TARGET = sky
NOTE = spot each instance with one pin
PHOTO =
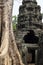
(17, 3)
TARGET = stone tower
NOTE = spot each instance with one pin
(29, 15)
(29, 29)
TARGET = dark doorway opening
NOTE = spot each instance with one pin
(30, 37)
(32, 56)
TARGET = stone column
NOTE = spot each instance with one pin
(36, 56)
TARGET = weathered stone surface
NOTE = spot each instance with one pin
(29, 11)
(29, 29)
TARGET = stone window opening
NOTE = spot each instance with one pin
(30, 37)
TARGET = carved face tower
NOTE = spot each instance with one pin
(29, 26)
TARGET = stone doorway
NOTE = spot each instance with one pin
(31, 56)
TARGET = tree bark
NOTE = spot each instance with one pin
(8, 50)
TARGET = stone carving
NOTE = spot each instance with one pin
(29, 30)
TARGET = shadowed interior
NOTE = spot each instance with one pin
(32, 55)
(30, 37)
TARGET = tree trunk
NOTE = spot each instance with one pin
(9, 54)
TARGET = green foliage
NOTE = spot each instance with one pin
(14, 20)
(14, 26)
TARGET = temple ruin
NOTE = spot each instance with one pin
(29, 32)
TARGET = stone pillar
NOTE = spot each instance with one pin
(36, 51)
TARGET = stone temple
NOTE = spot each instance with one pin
(29, 35)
